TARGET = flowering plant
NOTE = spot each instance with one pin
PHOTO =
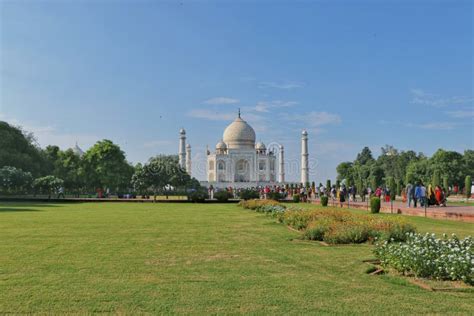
(430, 257)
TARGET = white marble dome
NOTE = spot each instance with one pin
(239, 135)
(260, 146)
(221, 145)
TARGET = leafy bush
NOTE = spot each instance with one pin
(198, 196)
(275, 196)
(375, 205)
(255, 204)
(342, 227)
(48, 184)
(296, 198)
(324, 200)
(270, 207)
(429, 257)
(222, 196)
(249, 194)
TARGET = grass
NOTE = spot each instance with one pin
(192, 258)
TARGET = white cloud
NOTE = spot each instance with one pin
(461, 114)
(425, 98)
(287, 85)
(316, 119)
(221, 100)
(265, 106)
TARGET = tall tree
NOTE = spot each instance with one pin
(105, 167)
(365, 156)
(19, 150)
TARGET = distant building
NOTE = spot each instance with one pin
(240, 161)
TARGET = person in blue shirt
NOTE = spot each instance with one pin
(418, 194)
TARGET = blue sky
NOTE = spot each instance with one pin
(353, 73)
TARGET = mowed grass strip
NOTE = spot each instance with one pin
(192, 258)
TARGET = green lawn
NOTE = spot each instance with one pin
(184, 258)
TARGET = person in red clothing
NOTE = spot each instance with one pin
(439, 195)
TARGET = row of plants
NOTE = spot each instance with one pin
(333, 226)
(343, 227)
(429, 257)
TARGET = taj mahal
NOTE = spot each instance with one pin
(240, 162)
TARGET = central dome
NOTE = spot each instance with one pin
(239, 135)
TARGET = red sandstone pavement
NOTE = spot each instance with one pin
(451, 212)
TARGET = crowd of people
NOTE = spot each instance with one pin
(414, 195)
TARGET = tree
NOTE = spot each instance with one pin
(446, 185)
(328, 186)
(48, 185)
(376, 174)
(13, 180)
(468, 161)
(344, 171)
(449, 163)
(436, 179)
(467, 186)
(105, 167)
(393, 188)
(69, 168)
(365, 156)
(19, 150)
(160, 174)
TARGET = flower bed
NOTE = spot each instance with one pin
(343, 227)
(264, 206)
(429, 257)
(333, 226)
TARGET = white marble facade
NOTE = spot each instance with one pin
(239, 160)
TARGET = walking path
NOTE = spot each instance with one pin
(452, 212)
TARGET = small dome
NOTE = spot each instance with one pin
(260, 146)
(221, 145)
(304, 133)
(239, 134)
(182, 131)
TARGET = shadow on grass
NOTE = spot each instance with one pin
(10, 209)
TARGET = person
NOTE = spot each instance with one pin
(410, 192)
(404, 196)
(61, 192)
(378, 192)
(439, 195)
(387, 194)
(417, 196)
(422, 195)
(364, 193)
(342, 195)
(211, 192)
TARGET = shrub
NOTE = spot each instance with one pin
(222, 196)
(343, 227)
(296, 198)
(375, 205)
(249, 194)
(467, 185)
(198, 196)
(317, 230)
(429, 257)
(324, 200)
(275, 196)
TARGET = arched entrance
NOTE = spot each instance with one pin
(242, 171)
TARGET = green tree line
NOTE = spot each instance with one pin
(395, 168)
(26, 167)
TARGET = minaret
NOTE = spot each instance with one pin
(182, 148)
(188, 159)
(304, 158)
(282, 165)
